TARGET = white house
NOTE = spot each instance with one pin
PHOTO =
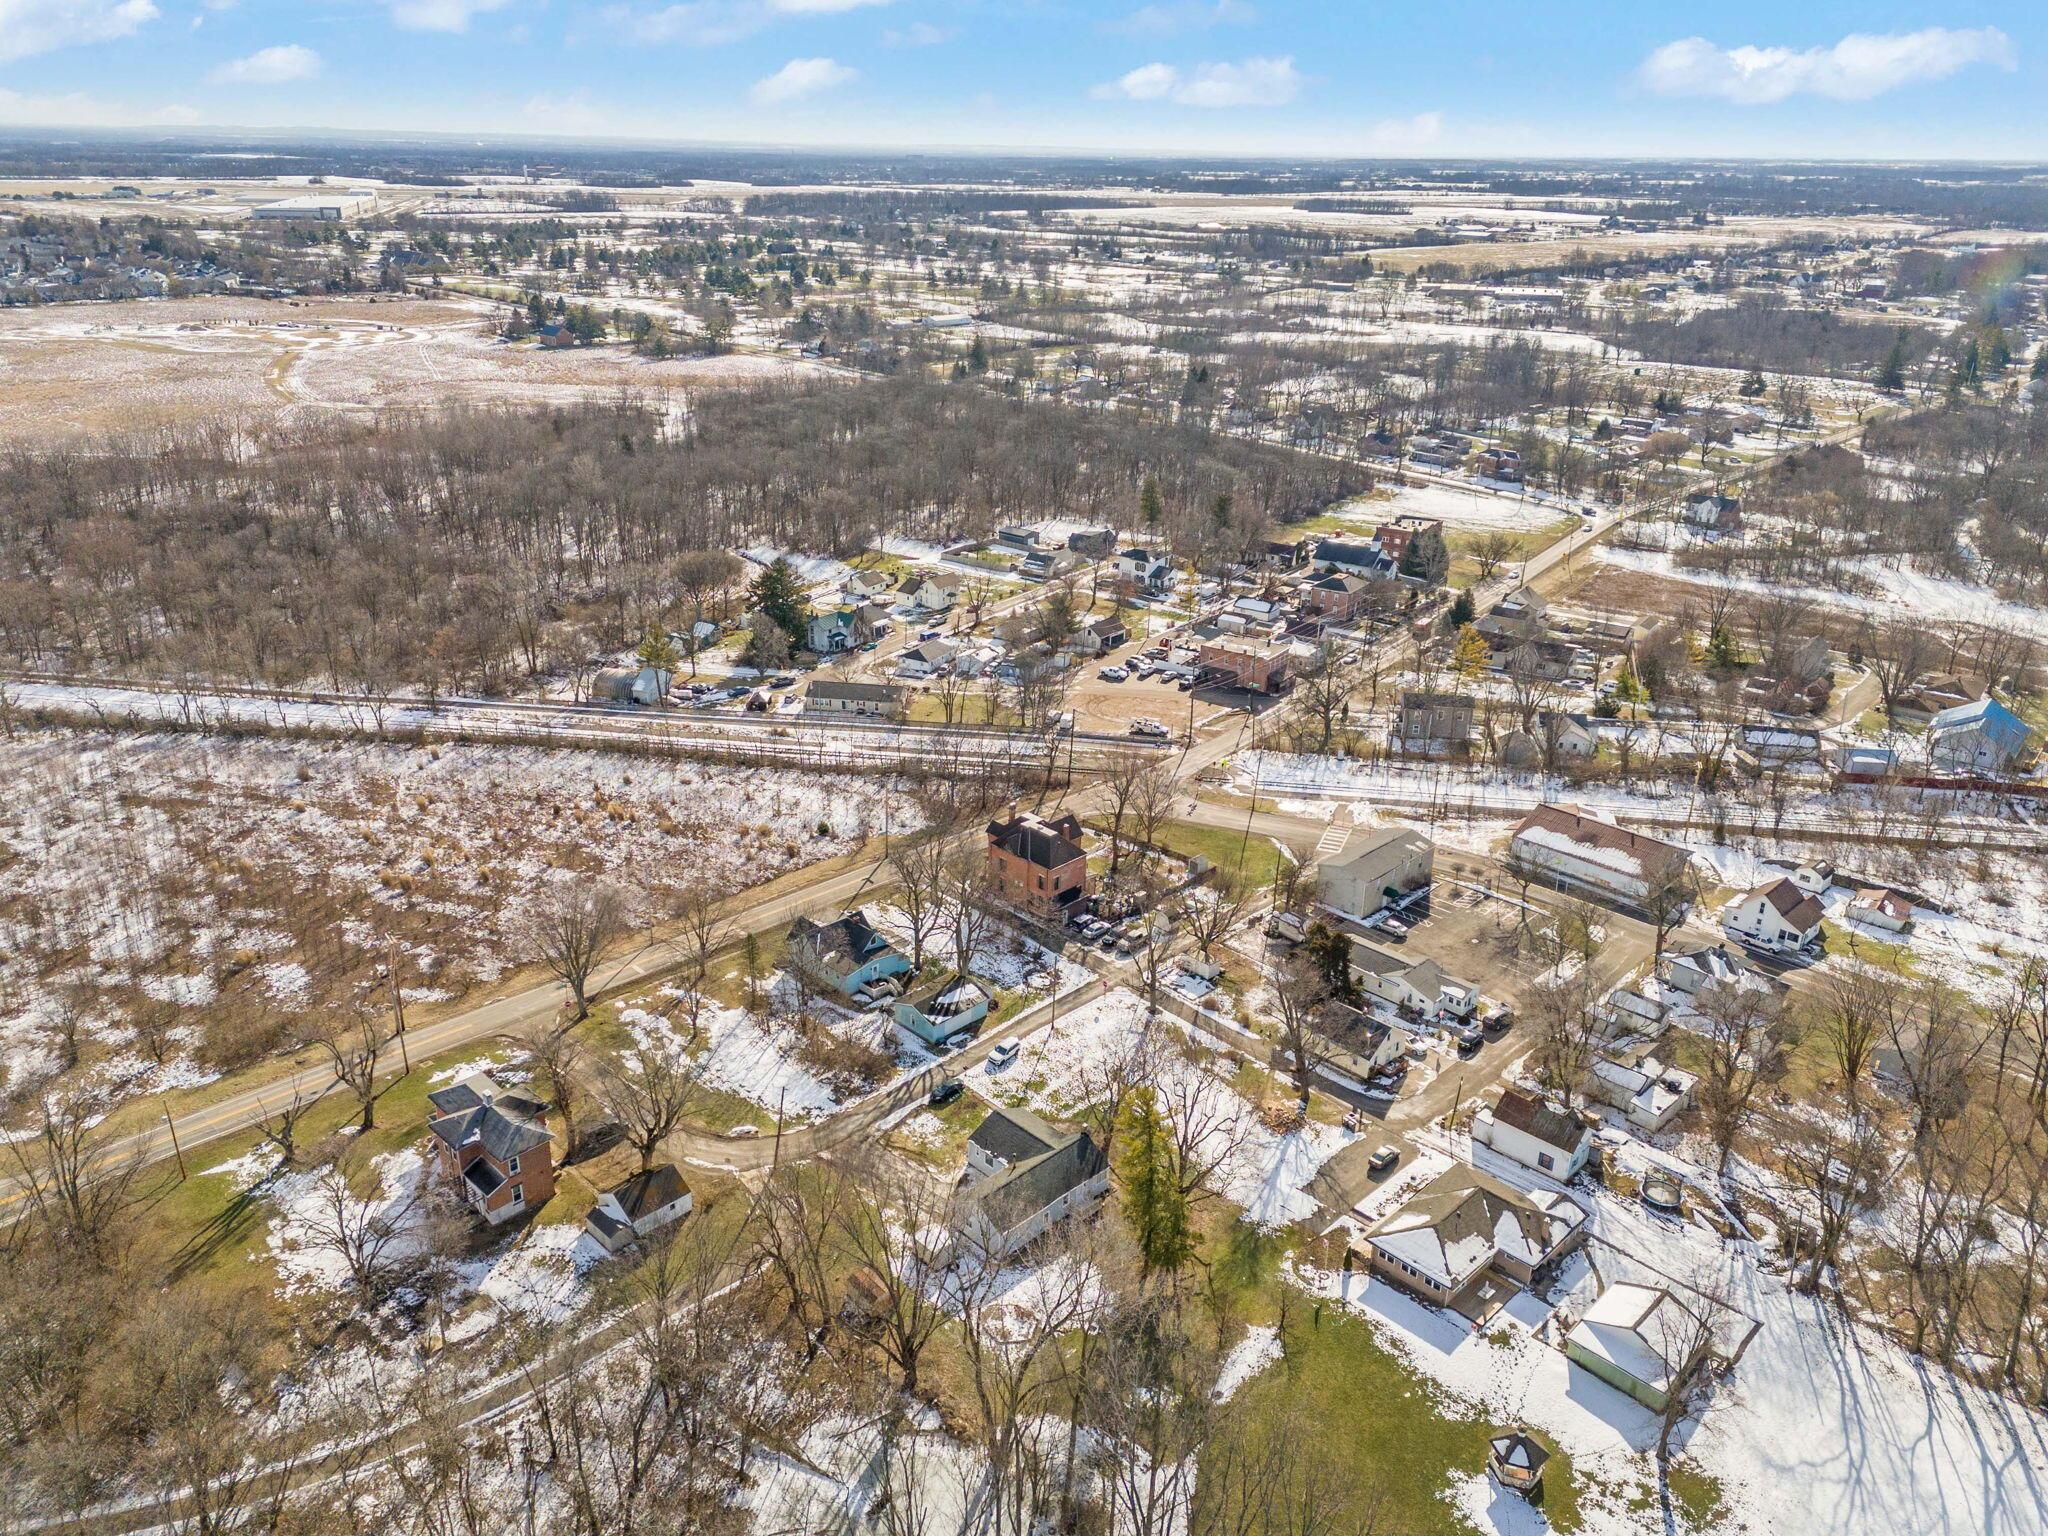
(1560, 846)
(935, 592)
(1148, 568)
(1023, 1177)
(1882, 908)
(928, 659)
(641, 1206)
(1523, 1127)
(1373, 868)
(1649, 1094)
(1777, 916)
(1691, 970)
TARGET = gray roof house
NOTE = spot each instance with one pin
(1023, 1176)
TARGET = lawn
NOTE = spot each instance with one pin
(1528, 542)
(1389, 1435)
(1224, 849)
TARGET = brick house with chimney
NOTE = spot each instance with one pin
(1037, 864)
(493, 1145)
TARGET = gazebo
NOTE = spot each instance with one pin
(1516, 1461)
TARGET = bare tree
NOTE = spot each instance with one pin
(280, 1127)
(919, 864)
(354, 1045)
(1838, 1160)
(1301, 993)
(557, 1053)
(374, 1237)
(1853, 1012)
(971, 904)
(888, 1222)
(75, 1177)
(1211, 913)
(649, 1091)
(1746, 1040)
(574, 929)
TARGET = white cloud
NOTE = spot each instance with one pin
(800, 78)
(30, 27)
(1860, 66)
(821, 7)
(78, 110)
(1163, 18)
(1404, 135)
(919, 34)
(269, 66)
(1254, 82)
(440, 15)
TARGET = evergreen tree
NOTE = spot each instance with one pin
(2041, 364)
(1153, 1203)
(1330, 953)
(977, 357)
(1723, 654)
(657, 650)
(777, 593)
(1891, 375)
(1754, 386)
(1462, 609)
(1151, 506)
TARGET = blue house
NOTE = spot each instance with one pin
(949, 1005)
(831, 633)
(849, 953)
(1983, 737)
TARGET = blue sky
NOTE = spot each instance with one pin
(1873, 80)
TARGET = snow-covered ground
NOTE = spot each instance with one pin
(1062, 1067)
(223, 878)
(1822, 1427)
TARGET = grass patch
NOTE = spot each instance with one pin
(1698, 1494)
(1223, 849)
(1883, 953)
(1397, 1440)
(1528, 542)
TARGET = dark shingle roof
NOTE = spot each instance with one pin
(851, 939)
(504, 1128)
(1022, 1190)
(645, 1193)
(1530, 1115)
(887, 693)
(1798, 909)
(1014, 1135)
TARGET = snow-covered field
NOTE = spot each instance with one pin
(213, 880)
(1895, 591)
(1062, 1067)
(1458, 507)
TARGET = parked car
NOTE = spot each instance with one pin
(1004, 1053)
(1498, 1022)
(1382, 1160)
(741, 1132)
(1393, 927)
(1187, 684)
(946, 1093)
(1112, 674)
(1470, 1038)
(960, 1041)
(1149, 728)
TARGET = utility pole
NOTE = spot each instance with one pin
(176, 1150)
(397, 1001)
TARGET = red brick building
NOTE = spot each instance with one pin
(1260, 666)
(1037, 864)
(493, 1145)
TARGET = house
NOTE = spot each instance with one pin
(832, 632)
(1352, 558)
(1816, 879)
(1039, 864)
(1414, 986)
(1374, 868)
(866, 584)
(1760, 748)
(1523, 1127)
(492, 1144)
(1339, 598)
(934, 592)
(638, 1208)
(1417, 548)
(952, 1003)
(1017, 536)
(874, 700)
(1649, 1094)
(1434, 723)
(1277, 554)
(1775, 916)
(1502, 464)
(1358, 1044)
(1561, 847)
(1882, 908)
(1521, 615)
(1713, 513)
(1045, 564)
(1864, 761)
(1929, 695)
(555, 335)
(1094, 543)
(1464, 1235)
(1691, 969)
(1642, 1340)
(1566, 735)
(846, 953)
(1099, 636)
(928, 658)
(1146, 569)
(1379, 445)
(1022, 1177)
(1253, 665)
(1982, 737)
